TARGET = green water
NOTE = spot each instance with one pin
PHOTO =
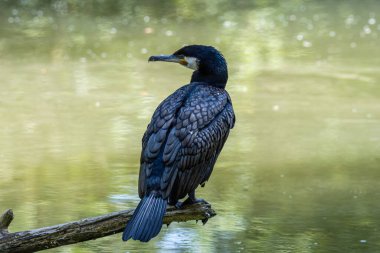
(300, 171)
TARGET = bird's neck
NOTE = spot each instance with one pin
(214, 79)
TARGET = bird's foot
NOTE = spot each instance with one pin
(189, 201)
(194, 201)
(178, 205)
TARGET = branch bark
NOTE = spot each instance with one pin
(87, 229)
(5, 219)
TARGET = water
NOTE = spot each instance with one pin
(300, 171)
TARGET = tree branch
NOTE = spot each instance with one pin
(86, 229)
(5, 219)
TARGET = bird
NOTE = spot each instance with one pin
(183, 139)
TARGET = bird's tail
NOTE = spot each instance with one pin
(147, 219)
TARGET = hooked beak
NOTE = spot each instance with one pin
(169, 58)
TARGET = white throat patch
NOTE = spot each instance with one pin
(192, 62)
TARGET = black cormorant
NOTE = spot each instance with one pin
(183, 139)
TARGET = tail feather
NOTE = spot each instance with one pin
(147, 219)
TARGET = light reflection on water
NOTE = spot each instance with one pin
(299, 172)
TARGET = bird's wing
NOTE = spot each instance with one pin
(193, 145)
(230, 115)
(156, 133)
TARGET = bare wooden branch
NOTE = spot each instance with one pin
(5, 219)
(91, 228)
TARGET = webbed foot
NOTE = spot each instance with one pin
(179, 205)
(190, 201)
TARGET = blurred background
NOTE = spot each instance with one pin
(300, 171)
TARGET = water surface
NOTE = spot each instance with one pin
(300, 171)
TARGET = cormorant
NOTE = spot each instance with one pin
(183, 139)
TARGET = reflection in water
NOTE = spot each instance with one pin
(183, 238)
(299, 172)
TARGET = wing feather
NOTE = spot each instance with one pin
(200, 138)
(156, 135)
(185, 136)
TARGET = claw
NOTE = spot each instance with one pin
(179, 205)
(190, 201)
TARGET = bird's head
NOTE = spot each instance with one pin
(208, 63)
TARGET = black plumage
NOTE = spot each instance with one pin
(183, 140)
